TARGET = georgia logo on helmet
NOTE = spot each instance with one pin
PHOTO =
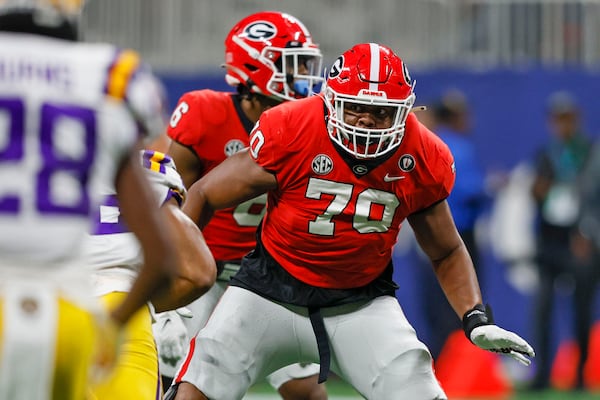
(260, 30)
(336, 68)
(272, 54)
(368, 74)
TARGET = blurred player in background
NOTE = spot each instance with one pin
(585, 242)
(71, 118)
(270, 58)
(115, 258)
(559, 165)
(342, 170)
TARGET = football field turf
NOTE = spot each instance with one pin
(338, 390)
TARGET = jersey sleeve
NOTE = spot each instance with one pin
(132, 80)
(438, 181)
(266, 147)
(181, 124)
(447, 171)
(147, 98)
(196, 113)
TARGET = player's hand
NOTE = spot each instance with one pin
(171, 338)
(109, 338)
(478, 324)
(496, 339)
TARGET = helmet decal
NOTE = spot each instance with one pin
(336, 68)
(260, 30)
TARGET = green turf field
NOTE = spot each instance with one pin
(338, 390)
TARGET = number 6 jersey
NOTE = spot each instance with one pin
(69, 114)
(213, 126)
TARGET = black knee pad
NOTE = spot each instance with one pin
(170, 394)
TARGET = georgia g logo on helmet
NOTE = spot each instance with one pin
(336, 68)
(260, 30)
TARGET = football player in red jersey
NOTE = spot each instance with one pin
(270, 58)
(342, 170)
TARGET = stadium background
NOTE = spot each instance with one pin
(507, 56)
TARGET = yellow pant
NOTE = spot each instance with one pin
(57, 365)
(136, 373)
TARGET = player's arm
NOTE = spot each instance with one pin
(237, 179)
(196, 268)
(187, 162)
(161, 143)
(437, 235)
(138, 207)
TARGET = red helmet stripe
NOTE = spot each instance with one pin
(374, 72)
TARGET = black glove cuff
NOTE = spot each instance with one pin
(477, 316)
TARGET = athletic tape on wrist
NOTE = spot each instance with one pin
(477, 316)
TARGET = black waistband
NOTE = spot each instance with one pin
(261, 274)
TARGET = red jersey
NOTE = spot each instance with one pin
(333, 220)
(212, 125)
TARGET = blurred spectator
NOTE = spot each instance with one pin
(585, 245)
(558, 165)
(451, 121)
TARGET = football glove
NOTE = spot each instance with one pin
(171, 338)
(478, 324)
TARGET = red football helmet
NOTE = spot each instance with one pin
(272, 53)
(368, 74)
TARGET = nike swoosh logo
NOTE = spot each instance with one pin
(388, 178)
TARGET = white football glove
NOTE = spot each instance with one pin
(496, 339)
(478, 324)
(171, 338)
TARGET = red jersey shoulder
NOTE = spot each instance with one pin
(282, 130)
(198, 111)
(428, 146)
(435, 160)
